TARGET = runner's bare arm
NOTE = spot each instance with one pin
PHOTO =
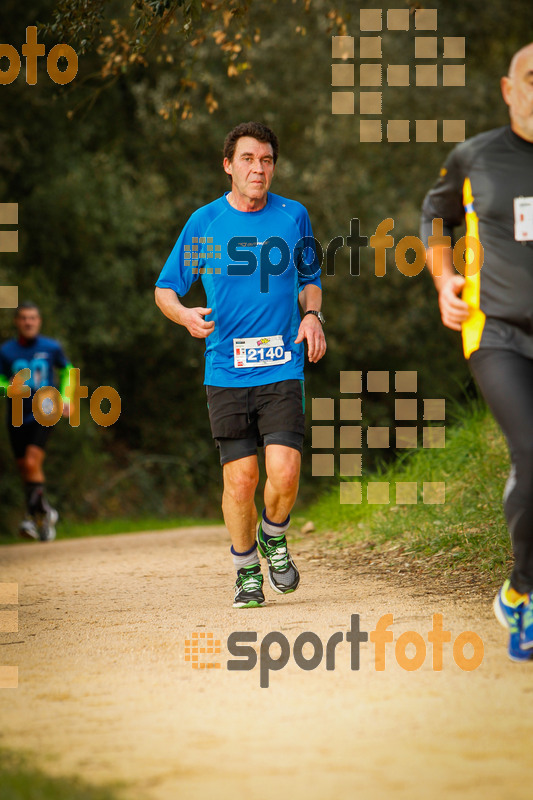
(449, 285)
(191, 318)
(310, 327)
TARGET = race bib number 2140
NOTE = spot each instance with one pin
(264, 351)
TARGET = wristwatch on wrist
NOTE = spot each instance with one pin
(318, 314)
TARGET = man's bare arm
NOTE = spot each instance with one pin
(310, 297)
(310, 327)
(191, 318)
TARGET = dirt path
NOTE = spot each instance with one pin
(105, 690)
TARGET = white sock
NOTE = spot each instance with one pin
(274, 528)
(247, 559)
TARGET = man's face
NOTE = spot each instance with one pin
(28, 323)
(251, 168)
(517, 90)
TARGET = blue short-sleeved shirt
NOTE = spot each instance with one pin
(41, 355)
(253, 266)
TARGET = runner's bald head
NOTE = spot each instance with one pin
(517, 91)
(524, 54)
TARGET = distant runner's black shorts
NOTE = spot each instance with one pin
(30, 433)
(244, 418)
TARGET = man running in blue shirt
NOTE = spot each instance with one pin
(255, 254)
(41, 356)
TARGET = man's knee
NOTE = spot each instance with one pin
(289, 475)
(241, 479)
(283, 469)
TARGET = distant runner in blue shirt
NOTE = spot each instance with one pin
(255, 254)
(45, 359)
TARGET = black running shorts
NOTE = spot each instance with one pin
(244, 418)
(30, 433)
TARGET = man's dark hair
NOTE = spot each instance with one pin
(27, 304)
(254, 129)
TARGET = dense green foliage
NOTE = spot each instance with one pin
(107, 169)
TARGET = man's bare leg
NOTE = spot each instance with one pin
(31, 471)
(31, 466)
(238, 506)
(283, 476)
(240, 515)
(281, 488)
(41, 516)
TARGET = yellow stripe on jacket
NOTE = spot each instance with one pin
(472, 328)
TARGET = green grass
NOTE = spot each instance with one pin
(20, 781)
(467, 529)
(78, 530)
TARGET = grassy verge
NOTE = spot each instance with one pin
(20, 781)
(78, 530)
(468, 529)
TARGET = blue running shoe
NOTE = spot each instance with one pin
(510, 616)
(526, 640)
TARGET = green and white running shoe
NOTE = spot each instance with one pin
(46, 523)
(28, 529)
(249, 587)
(282, 573)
